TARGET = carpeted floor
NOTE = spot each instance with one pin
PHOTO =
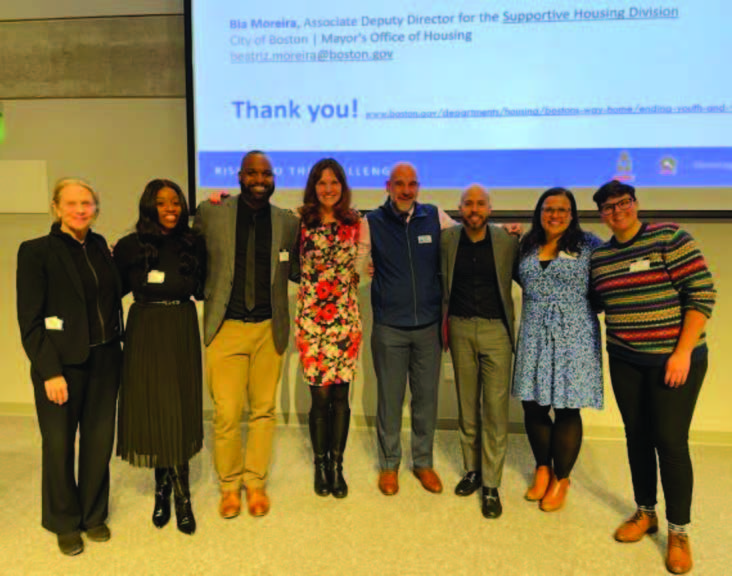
(412, 533)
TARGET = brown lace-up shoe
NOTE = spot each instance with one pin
(635, 527)
(678, 553)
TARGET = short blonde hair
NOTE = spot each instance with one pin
(66, 182)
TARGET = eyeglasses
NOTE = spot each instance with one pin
(621, 205)
(558, 211)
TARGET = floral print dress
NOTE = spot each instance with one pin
(328, 323)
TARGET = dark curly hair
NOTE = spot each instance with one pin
(150, 231)
(572, 238)
(310, 209)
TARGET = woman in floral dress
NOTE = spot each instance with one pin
(328, 324)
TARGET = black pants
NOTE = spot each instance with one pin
(657, 419)
(92, 386)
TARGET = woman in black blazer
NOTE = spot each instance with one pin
(69, 312)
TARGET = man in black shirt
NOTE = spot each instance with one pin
(477, 269)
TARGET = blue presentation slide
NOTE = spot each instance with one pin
(512, 94)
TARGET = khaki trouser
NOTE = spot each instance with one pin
(242, 363)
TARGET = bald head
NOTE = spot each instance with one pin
(403, 186)
(476, 191)
(475, 207)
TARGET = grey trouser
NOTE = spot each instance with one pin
(400, 355)
(481, 358)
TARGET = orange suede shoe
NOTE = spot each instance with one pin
(555, 495)
(542, 476)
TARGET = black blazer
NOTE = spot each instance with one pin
(48, 285)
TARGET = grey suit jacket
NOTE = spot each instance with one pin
(505, 254)
(217, 223)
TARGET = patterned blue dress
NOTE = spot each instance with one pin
(558, 358)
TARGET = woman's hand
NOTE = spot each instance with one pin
(677, 368)
(57, 390)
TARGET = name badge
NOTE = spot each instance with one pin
(425, 239)
(54, 323)
(640, 266)
(284, 256)
(155, 277)
(567, 255)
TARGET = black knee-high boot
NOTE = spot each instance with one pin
(319, 438)
(182, 495)
(163, 488)
(340, 421)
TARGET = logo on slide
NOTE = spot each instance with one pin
(624, 168)
(667, 166)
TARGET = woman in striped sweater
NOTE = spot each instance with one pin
(657, 294)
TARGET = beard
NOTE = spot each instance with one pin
(475, 224)
(255, 197)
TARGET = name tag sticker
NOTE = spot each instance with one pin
(284, 256)
(54, 323)
(567, 255)
(640, 266)
(425, 239)
(155, 277)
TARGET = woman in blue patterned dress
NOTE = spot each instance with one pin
(558, 362)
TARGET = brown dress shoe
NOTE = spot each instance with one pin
(635, 527)
(230, 504)
(257, 501)
(555, 495)
(389, 482)
(542, 476)
(678, 553)
(429, 479)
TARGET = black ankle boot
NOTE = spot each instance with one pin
(319, 438)
(340, 421)
(182, 495)
(163, 488)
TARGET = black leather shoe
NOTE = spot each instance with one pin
(469, 484)
(70, 543)
(491, 507)
(99, 533)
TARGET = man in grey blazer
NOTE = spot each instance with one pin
(477, 261)
(251, 254)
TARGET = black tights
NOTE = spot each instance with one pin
(554, 443)
(327, 398)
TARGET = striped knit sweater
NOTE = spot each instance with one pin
(646, 285)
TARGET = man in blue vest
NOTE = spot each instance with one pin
(404, 240)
